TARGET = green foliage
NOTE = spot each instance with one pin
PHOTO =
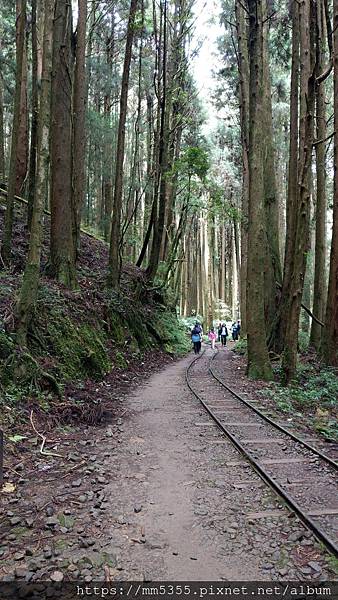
(172, 332)
(241, 347)
(193, 161)
(314, 394)
(80, 349)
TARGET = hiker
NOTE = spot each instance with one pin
(238, 329)
(196, 337)
(224, 334)
(219, 331)
(212, 337)
(234, 332)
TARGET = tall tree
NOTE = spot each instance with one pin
(277, 335)
(273, 270)
(114, 252)
(29, 289)
(13, 167)
(243, 67)
(35, 110)
(319, 288)
(258, 358)
(62, 254)
(303, 205)
(79, 123)
(330, 340)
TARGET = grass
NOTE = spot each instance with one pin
(313, 394)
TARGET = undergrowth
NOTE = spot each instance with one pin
(314, 393)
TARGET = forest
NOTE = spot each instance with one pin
(168, 297)
(103, 133)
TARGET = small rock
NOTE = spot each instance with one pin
(51, 522)
(315, 566)
(267, 566)
(57, 576)
(20, 573)
(29, 521)
(76, 483)
(64, 529)
(48, 553)
(82, 499)
(138, 508)
(19, 555)
(297, 535)
(15, 521)
(49, 511)
(102, 480)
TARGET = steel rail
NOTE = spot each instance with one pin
(329, 460)
(272, 483)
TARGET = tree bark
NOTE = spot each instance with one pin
(79, 123)
(273, 270)
(302, 213)
(244, 75)
(13, 167)
(114, 253)
(2, 133)
(319, 289)
(62, 255)
(29, 289)
(330, 338)
(277, 336)
(34, 121)
(258, 358)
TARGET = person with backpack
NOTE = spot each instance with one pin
(196, 337)
(219, 331)
(224, 334)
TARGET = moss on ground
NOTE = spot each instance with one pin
(70, 341)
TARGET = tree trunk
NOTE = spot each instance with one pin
(302, 215)
(162, 162)
(35, 110)
(29, 289)
(13, 167)
(273, 270)
(330, 338)
(23, 142)
(319, 289)
(2, 134)
(277, 337)
(243, 66)
(258, 358)
(114, 253)
(79, 123)
(62, 255)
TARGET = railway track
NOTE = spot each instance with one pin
(303, 476)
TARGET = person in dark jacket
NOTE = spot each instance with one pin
(224, 334)
(196, 337)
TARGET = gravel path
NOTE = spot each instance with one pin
(158, 494)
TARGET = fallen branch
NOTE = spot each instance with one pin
(43, 437)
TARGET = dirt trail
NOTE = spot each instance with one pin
(193, 519)
(169, 455)
(158, 494)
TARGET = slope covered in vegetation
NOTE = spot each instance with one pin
(79, 334)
